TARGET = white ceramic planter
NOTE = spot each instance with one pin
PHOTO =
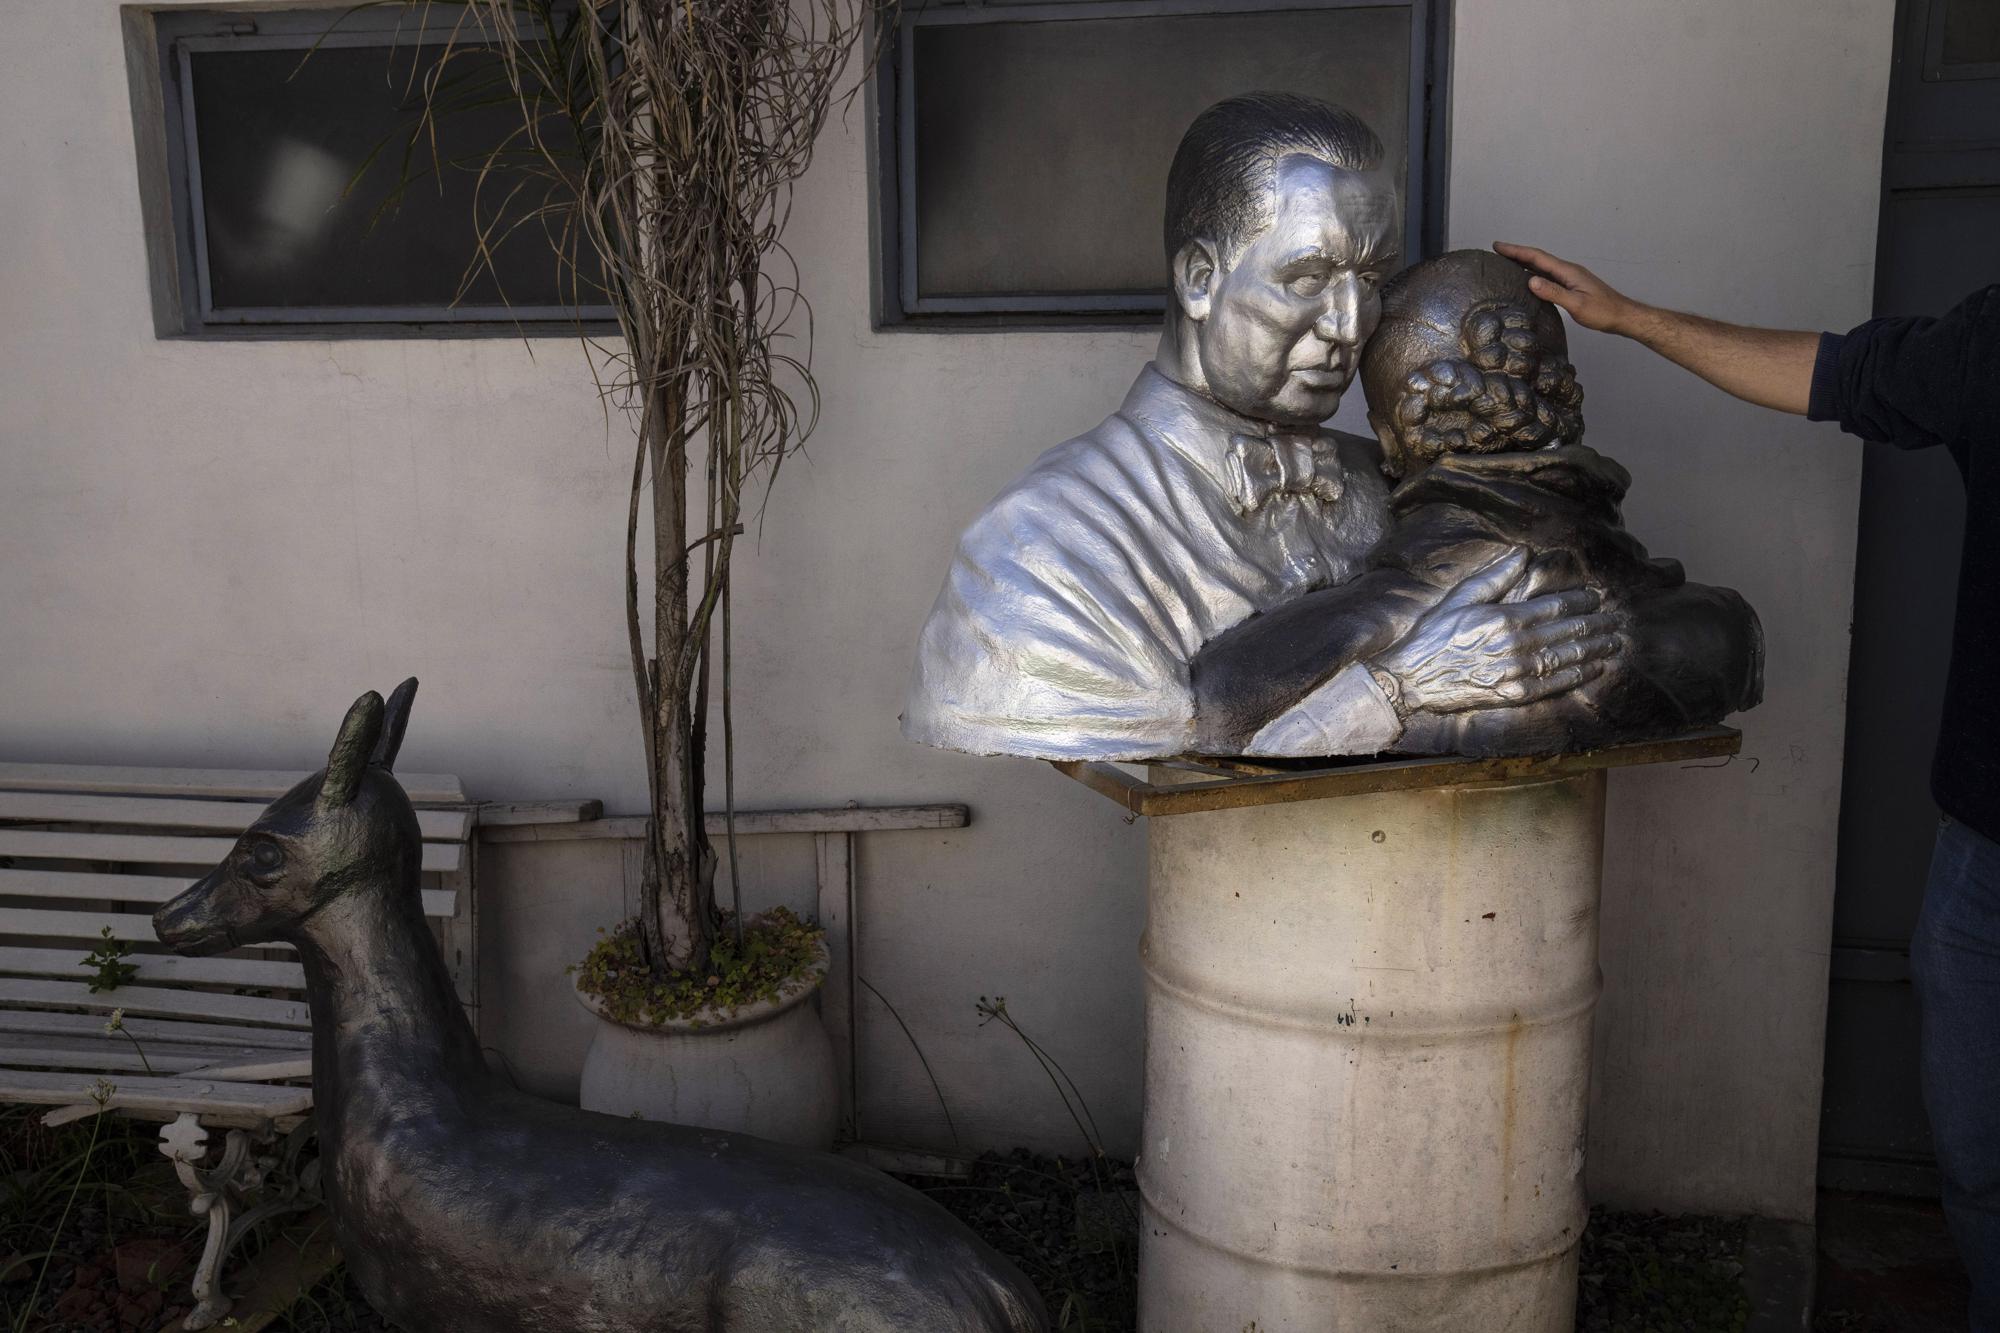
(1367, 1055)
(767, 1069)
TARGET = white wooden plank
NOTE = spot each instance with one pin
(163, 848)
(129, 1093)
(846, 819)
(107, 1060)
(495, 814)
(152, 1031)
(159, 969)
(93, 886)
(261, 1124)
(752, 823)
(155, 1000)
(113, 887)
(833, 857)
(134, 927)
(257, 1071)
(61, 925)
(38, 1051)
(165, 812)
(439, 788)
(621, 828)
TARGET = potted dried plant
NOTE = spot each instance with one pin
(659, 145)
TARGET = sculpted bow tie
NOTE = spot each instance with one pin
(1263, 466)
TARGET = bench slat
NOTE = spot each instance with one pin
(92, 885)
(257, 1071)
(165, 812)
(261, 784)
(155, 1094)
(129, 926)
(153, 1032)
(162, 848)
(36, 1051)
(49, 923)
(156, 1000)
(157, 969)
(114, 887)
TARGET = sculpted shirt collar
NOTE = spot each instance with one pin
(1196, 425)
(1251, 462)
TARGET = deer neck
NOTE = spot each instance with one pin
(387, 1024)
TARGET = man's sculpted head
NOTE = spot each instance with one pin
(1281, 225)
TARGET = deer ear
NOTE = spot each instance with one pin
(393, 723)
(349, 758)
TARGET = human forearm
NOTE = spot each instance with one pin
(1770, 367)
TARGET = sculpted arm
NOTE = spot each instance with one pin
(1469, 650)
(1253, 673)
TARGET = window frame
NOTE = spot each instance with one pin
(178, 36)
(898, 302)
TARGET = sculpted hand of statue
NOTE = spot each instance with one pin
(1472, 651)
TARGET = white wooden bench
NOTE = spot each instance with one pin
(203, 1044)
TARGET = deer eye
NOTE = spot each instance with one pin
(266, 857)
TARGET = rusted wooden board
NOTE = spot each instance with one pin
(1258, 784)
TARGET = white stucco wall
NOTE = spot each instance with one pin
(1723, 157)
(206, 549)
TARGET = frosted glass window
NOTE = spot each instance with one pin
(302, 201)
(288, 221)
(1042, 148)
(1032, 143)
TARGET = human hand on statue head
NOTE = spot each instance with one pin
(1474, 650)
(1587, 298)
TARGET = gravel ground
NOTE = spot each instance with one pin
(1072, 1227)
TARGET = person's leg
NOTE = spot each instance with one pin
(1955, 961)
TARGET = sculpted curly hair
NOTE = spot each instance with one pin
(1467, 360)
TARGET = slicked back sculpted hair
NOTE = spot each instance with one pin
(1219, 187)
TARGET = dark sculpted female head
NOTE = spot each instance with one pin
(1468, 360)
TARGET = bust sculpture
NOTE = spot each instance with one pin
(1211, 570)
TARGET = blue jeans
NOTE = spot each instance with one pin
(1955, 962)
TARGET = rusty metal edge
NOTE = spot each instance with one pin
(1145, 798)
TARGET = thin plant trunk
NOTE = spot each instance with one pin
(670, 134)
(677, 892)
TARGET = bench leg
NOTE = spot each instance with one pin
(250, 1169)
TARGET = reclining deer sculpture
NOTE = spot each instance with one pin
(463, 1204)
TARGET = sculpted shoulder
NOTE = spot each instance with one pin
(1110, 469)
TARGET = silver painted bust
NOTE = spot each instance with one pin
(1202, 572)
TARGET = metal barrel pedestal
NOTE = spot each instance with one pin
(1368, 1059)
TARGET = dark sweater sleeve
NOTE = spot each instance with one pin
(1914, 382)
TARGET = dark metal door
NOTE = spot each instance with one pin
(1939, 240)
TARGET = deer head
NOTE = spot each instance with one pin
(346, 827)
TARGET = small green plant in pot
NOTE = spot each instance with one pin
(773, 954)
(659, 145)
